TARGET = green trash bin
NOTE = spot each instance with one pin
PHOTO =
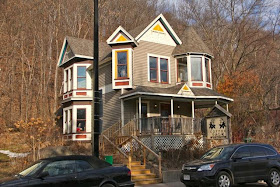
(109, 159)
(247, 140)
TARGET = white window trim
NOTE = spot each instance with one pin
(158, 65)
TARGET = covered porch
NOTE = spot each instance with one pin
(166, 111)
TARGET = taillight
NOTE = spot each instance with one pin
(129, 173)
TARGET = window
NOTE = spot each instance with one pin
(81, 120)
(153, 69)
(60, 167)
(257, 151)
(82, 165)
(122, 64)
(182, 73)
(270, 152)
(81, 79)
(207, 69)
(70, 121)
(70, 79)
(242, 152)
(164, 70)
(66, 81)
(158, 67)
(65, 122)
(196, 65)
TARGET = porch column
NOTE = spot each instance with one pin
(122, 112)
(227, 107)
(140, 113)
(172, 107)
(193, 117)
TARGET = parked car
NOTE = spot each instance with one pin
(226, 165)
(72, 171)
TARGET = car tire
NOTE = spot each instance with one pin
(107, 185)
(273, 178)
(223, 179)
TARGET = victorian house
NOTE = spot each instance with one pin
(151, 74)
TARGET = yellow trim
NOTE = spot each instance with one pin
(116, 62)
(121, 39)
(158, 28)
(186, 88)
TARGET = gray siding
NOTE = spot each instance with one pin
(111, 108)
(105, 74)
(140, 64)
(129, 110)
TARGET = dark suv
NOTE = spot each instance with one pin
(226, 165)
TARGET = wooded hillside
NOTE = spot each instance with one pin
(243, 36)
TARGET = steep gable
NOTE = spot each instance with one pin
(158, 31)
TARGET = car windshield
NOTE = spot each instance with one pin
(218, 153)
(32, 169)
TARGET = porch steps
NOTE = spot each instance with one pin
(140, 175)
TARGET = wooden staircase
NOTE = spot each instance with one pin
(113, 141)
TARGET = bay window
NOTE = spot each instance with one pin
(207, 69)
(81, 77)
(81, 120)
(196, 69)
(182, 73)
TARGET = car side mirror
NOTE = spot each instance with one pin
(43, 175)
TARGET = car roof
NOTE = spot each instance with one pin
(242, 144)
(70, 157)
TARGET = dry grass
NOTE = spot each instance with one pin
(12, 141)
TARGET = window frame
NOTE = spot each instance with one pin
(167, 76)
(117, 65)
(201, 68)
(207, 73)
(159, 57)
(81, 120)
(187, 65)
(82, 88)
(153, 69)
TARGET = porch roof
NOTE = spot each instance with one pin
(199, 93)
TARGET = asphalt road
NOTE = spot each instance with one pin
(179, 184)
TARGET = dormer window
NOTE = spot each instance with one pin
(81, 77)
(122, 64)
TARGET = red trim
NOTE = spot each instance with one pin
(208, 85)
(197, 84)
(81, 136)
(65, 96)
(122, 78)
(70, 94)
(81, 93)
(122, 83)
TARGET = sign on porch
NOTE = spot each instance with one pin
(217, 128)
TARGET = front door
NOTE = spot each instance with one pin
(165, 112)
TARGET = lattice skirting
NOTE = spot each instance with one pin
(167, 142)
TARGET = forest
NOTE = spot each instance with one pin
(243, 36)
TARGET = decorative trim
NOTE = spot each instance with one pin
(197, 84)
(122, 83)
(81, 93)
(79, 136)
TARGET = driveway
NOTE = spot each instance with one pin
(179, 184)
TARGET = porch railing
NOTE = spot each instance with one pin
(168, 126)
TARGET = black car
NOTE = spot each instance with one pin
(226, 165)
(72, 171)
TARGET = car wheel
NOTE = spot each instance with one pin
(223, 179)
(107, 185)
(273, 178)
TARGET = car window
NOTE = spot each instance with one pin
(218, 153)
(270, 152)
(82, 165)
(97, 163)
(32, 169)
(60, 167)
(242, 152)
(257, 151)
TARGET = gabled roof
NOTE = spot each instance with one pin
(83, 48)
(217, 110)
(123, 33)
(166, 25)
(191, 43)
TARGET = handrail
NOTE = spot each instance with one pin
(135, 138)
(111, 130)
(106, 138)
